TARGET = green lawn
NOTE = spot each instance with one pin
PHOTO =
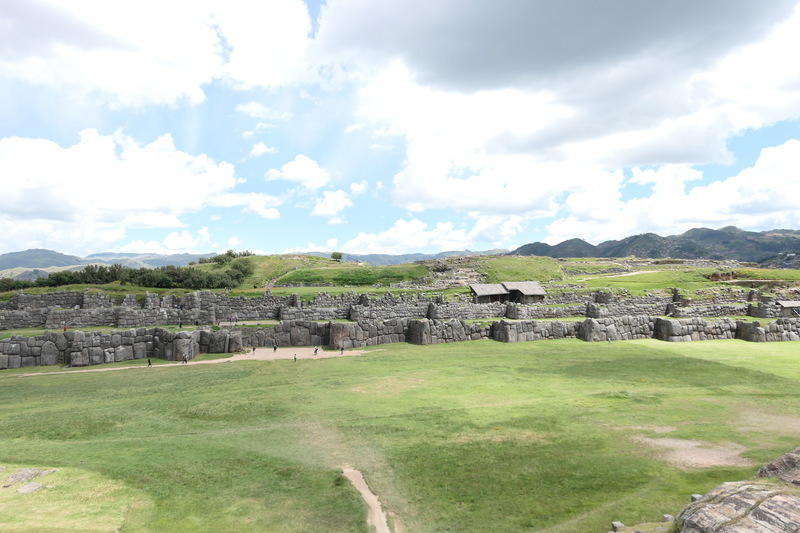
(688, 280)
(468, 437)
(354, 274)
(519, 268)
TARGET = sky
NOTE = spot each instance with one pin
(393, 126)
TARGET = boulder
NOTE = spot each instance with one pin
(218, 342)
(743, 507)
(49, 353)
(123, 353)
(786, 468)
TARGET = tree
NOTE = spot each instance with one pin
(337, 256)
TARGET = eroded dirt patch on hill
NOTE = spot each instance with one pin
(390, 385)
(688, 454)
(757, 420)
(376, 518)
(499, 435)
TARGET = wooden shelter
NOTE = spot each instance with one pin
(789, 308)
(484, 293)
(524, 292)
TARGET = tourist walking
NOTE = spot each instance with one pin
(295, 358)
(316, 349)
(274, 346)
(149, 363)
(185, 360)
(341, 350)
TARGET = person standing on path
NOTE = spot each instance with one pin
(185, 360)
(341, 350)
(149, 363)
(274, 346)
(295, 358)
(254, 350)
(316, 349)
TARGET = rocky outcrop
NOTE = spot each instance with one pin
(786, 468)
(768, 505)
(744, 507)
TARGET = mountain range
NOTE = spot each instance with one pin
(37, 263)
(698, 243)
(389, 259)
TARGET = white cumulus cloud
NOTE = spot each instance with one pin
(302, 170)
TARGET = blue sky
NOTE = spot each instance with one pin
(392, 127)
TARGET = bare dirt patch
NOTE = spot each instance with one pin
(661, 430)
(376, 518)
(390, 385)
(687, 454)
(499, 435)
(756, 420)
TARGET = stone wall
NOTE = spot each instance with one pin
(408, 309)
(367, 333)
(783, 329)
(64, 300)
(426, 331)
(712, 310)
(313, 313)
(764, 310)
(524, 312)
(77, 348)
(694, 329)
(524, 331)
(617, 328)
(630, 306)
(467, 310)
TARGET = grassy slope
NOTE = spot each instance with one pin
(471, 437)
(349, 274)
(519, 268)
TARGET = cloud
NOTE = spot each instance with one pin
(302, 170)
(87, 195)
(537, 43)
(764, 196)
(261, 126)
(233, 242)
(259, 110)
(260, 204)
(358, 187)
(408, 235)
(523, 148)
(129, 53)
(331, 204)
(173, 243)
(260, 149)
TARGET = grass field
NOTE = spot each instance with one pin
(519, 268)
(471, 437)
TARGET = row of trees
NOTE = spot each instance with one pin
(168, 277)
(227, 257)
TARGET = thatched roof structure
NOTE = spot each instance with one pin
(488, 289)
(528, 288)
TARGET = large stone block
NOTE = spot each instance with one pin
(140, 350)
(49, 353)
(123, 353)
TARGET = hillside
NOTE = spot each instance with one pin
(38, 263)
(37, 258)
(398, 259)
(725, 243)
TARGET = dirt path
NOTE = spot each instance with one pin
(261, 354)
(376, 518)
(625, 275)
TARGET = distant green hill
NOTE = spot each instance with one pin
(38, 258)
(698, 243)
